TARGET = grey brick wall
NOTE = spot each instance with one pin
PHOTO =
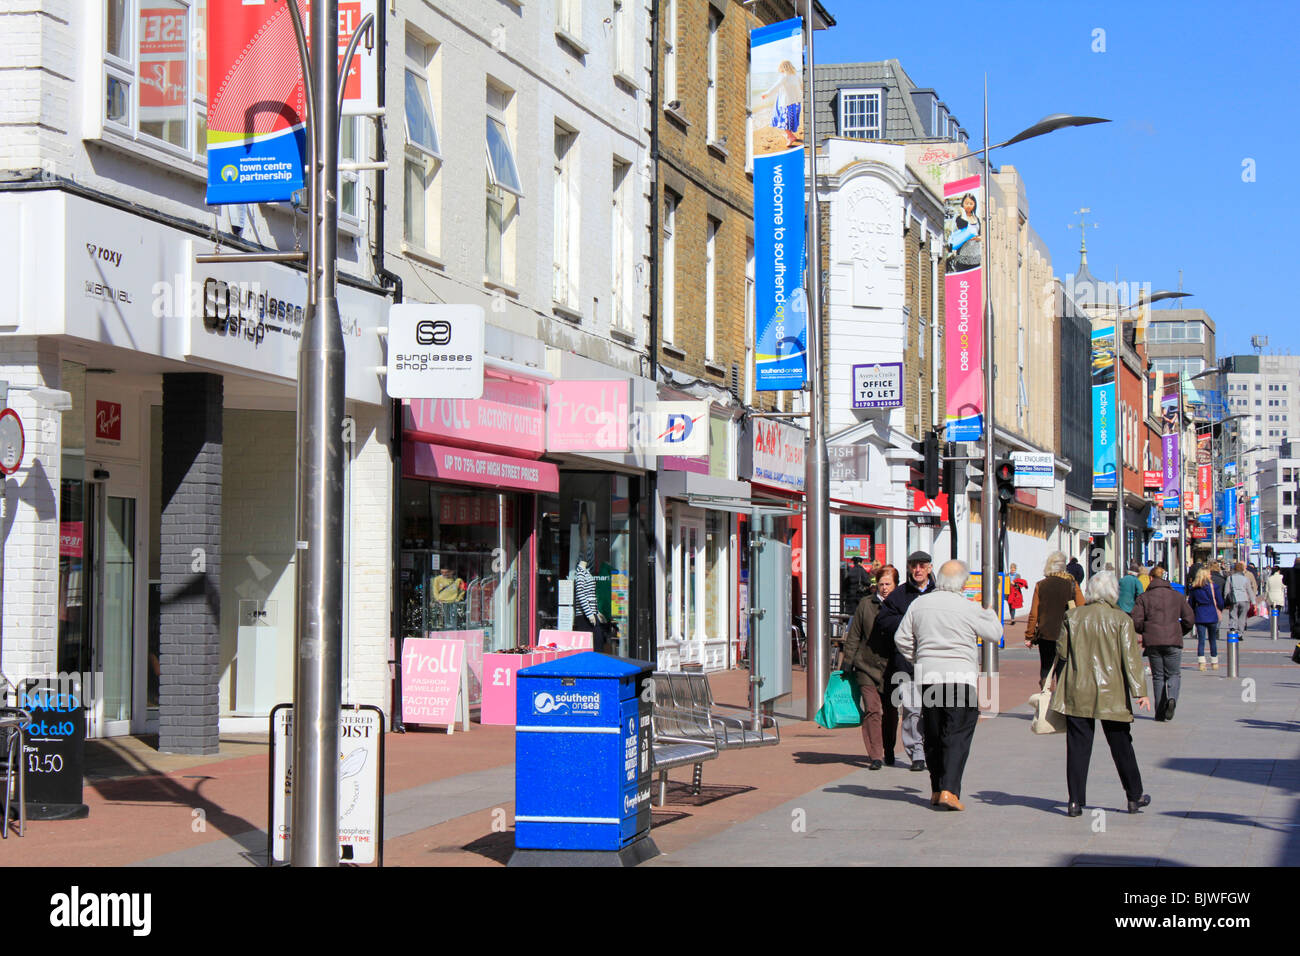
(190, 530)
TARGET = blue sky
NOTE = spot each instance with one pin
(1194, 90)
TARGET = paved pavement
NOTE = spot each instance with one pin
(1224, 777)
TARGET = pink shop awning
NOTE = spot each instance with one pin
(444, 463)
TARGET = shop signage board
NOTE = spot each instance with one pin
(442, 462)
(1099, 522)
(848, 462)
(778, 454)
(776, 99)
(13, 441)
(435, 686)
(360, 790)
(878, 385)
(53, 748)
(1152, 479)
(1034, 469)
(566, 640)
(589, 416)
(680, 429)
(964, 309)
(435, 351)
(511, 415)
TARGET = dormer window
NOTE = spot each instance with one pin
(862, 114)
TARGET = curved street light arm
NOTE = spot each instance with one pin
(366, 27)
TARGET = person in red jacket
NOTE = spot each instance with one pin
(1015, 600)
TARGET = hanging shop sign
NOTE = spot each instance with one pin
(778, 454)
(848, 462)
(776, 98)
(13, 441)
(587, 416)
(435, 351)
(964, 309)
(510, 416)
(1105, 463)
(1034, 469)
(1152, 479)
(878, 385)
(680, 429)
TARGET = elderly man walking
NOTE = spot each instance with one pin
(938, 636)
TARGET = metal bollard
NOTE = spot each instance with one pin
(1234, 648)
(1272, 613)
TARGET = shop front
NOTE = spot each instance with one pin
(165, 482)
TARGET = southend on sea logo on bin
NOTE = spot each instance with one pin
(544, 702)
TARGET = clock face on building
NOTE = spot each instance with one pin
(11, 441)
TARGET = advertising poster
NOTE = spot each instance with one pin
(1254, 521)
(257, 111)
(879, 385)
(964, 309)
(1204, 493)
(1230, 511)
(776, 101)
(432, 671)
(1105, 462)
(1169, 445)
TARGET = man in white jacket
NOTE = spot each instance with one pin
(938, 635)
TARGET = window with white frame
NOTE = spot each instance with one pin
(564, 287)
(670, 50)
(860, 114)
(621, 234)
(710, 291)
(504, 189)
(669, 266)
(568, 16)
(423, 154)
(155, 78)
(624, 53)
(349, 152)
(711, 102)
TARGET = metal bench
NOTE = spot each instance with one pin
(680, 734)
(731, 730)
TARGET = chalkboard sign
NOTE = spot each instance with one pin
(54, 746)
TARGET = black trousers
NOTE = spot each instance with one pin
(949, 713)
(1046, 657)
(1078, 753)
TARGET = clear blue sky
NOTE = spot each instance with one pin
(1193, 89)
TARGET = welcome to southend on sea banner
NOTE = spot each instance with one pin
(780, 309)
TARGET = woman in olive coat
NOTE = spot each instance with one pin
(1099, 669)
(867, 667)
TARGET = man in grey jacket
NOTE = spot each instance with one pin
(938, 636)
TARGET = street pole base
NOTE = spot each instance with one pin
(56, 811)
(631, 855)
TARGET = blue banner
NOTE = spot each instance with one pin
(780, 309)
(1105, 461)
(1254, 520)
(1230, 511)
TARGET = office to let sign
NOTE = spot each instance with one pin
(878, 385)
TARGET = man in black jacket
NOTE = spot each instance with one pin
(1076, 570)
(900, 694)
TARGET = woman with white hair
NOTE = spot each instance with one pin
(1099, 668)
(1055, 594)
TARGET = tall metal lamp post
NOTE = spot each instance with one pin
(988, 500)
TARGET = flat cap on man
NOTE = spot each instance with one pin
(918, 557)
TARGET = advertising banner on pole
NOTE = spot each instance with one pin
(964, 309)
(257, 109)
(1105, 463)
(1171, 468)
(776, 102)
(1254, 521)
(1230, 511)
(1203, 490)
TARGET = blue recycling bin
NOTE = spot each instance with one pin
(582, 756)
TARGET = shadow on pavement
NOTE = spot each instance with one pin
(167, 790)
(1287, 725)
(680, 795)
(897, 794)
(1000, 798)
(1260, 771)
(817, 758)
(497, 847)
(1110, 859)
(1234, 819)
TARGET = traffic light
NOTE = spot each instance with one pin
(950, 470)
(925, 472)
(1005, 474)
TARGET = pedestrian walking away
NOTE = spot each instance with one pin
(1239, 595)
(1075, 569)
(939, 635)
(1206, 601)
(1015, 584)
(1130, 586)
(855, 585)
(867, 666)
(1275, 590)
(1164, 617)
(902, 704)
(1055, 594)
(1099, 677)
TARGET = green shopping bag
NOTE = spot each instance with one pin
(840, 703)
